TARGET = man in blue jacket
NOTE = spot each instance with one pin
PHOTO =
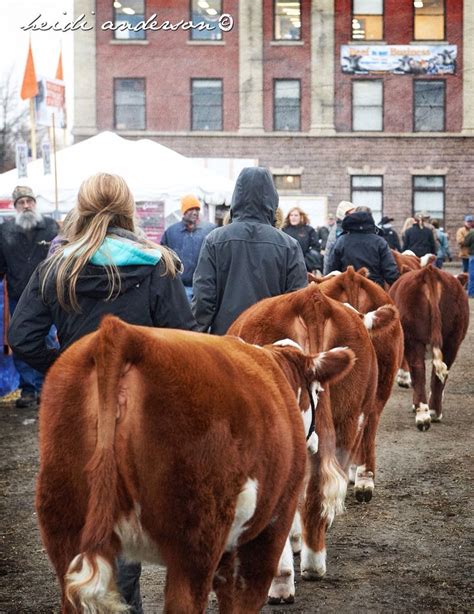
(186, 237)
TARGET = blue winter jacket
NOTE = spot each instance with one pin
(187, 245)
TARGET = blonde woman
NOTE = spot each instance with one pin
(105, 267)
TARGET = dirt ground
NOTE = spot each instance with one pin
(410, 549)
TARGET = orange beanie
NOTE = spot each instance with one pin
(189, 202)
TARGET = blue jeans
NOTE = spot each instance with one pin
(31, 380)
(128, 583)
(465, 265)
(470, 283)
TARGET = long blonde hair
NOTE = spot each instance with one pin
(103, 201)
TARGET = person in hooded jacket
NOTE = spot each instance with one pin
(105, 267)
(389, 233)
(248, 259)
(360, 246)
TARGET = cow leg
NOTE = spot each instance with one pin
(415, 353)
(187, 589)
(282, 589)
(365, 473)
(324, 500)
(403, 375)
(437, 386)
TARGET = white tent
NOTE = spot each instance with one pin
(152, 171)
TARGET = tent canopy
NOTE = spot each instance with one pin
(152, 171)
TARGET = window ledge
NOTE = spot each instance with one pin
(365, 42)
(201, 43)
(125, 41)
(428, 42)
(287, 43)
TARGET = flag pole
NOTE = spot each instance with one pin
(56, 214)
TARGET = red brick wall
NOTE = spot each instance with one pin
(287, 62)
(167, 63)
(398, 89)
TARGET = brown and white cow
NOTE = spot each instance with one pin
(434, 312)
(318, 323)
(409, 261)
(173, 447)
(365, 296)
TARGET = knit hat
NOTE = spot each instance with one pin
(343, 208)
(189, 202)
(22, 191)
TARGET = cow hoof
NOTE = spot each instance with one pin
(363, 496)
(435, 417)
(281, 600)
(423, 426)
(310, 575)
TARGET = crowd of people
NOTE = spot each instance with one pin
(62, 282)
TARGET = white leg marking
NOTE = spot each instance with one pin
(296, 533)
(403, 378)
(283, 585)
(244, 510)
(137, 545)
(364, 484)
(422, 417)
(313, 564)
(352, 473)
(334, 490)
(92, 588)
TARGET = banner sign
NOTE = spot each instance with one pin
(46, 149)
(51, 99)
(151, 215)
(22, 159)
(399, 59)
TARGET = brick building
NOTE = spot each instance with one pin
(363, 100)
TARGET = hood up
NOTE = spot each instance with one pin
(361, 221)
(255, 196)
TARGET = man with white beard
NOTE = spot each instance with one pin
(24, 243)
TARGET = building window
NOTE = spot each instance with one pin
(286, 104)
(429, 19)
(129, 100)
(367, 105)
(429, 106)
(287, 182)
(367, 191)
(367, 20)
(207, 12)
(428, 195)
(286, 20)
(127, 14)
(206, 96)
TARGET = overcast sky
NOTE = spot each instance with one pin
(45, 45)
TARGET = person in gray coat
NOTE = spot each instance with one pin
(248, 259)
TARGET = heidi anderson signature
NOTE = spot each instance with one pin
(225, 23)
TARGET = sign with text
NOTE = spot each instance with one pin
(22, 159)
(51, 99)
(46, 149)
(151, 215)
(399, 59)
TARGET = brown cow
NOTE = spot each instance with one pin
(365, 296)
(143, 455)
(317, 323)
(434, 312)
(409, 261)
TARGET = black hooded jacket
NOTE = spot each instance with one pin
(248, 259)
(359, 246)
(147, 298)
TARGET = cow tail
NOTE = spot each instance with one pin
(89, 582)
(436, 340)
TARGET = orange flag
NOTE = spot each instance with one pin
(29, 87)
(59, 69)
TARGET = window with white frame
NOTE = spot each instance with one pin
(367, 191)
(206, 104)
(129, 104)
(287, 104)
(429, 195)
(429, 20)
(207, 12)
(367, 105)
(127, 14)
(286, 20)
(367, 20)
(429, 105)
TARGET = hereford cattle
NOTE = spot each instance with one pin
(317, 323)
(178, 448)
(356, 289)
(434, 312)
(409, 261)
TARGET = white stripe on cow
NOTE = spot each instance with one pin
(244, 510)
